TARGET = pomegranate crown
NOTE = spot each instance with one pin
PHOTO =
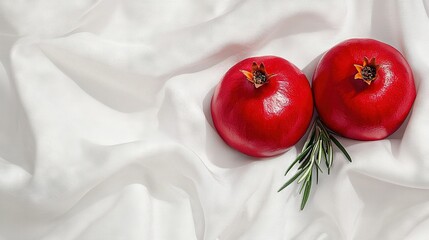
(258, 76)
(367, 71)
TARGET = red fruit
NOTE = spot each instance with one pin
(262, 106)
(363, 89)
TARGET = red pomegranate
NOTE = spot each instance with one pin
(262, 106)
(363, 89)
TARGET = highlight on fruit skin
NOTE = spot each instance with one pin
(262, 106)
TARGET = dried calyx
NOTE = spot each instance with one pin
(367, 71)
(258, 76)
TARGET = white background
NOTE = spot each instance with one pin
(105, 127)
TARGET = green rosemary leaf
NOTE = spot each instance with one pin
(311, 158)
(290, 167)
(341, 148)
(306, 193)
(324, 130)
(318, 166)
(317, 174)
(307, 160)
(326, 153)
(319, 156)
(306, 173)
(326, 138)
(315, 150)
(291, 180)
(293, 164)
(303, 186)
(331, 155)
(317, 171)
(305, 163)
(300, 157)
(327, 165)
(304, 153)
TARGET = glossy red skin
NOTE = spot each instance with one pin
(354, 109)
(264, 121)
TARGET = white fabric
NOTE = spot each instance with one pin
(105, 127)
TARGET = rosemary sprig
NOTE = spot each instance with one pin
(317, 148)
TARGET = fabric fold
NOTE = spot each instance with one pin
(106, 130)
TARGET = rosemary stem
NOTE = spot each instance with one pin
(318, 145)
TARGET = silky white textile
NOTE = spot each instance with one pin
(105, 127)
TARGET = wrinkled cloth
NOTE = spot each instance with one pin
(106, 133)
